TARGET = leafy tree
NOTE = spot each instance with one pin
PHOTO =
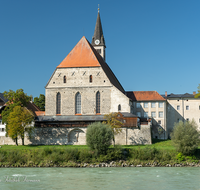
(18, 98)
(185, 137)
(198, 94)
(19, 120)
(40, 102)
(114, 120)
(98, 137)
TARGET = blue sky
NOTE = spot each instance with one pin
(151, 44)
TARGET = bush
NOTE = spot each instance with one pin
(98, 137)
(185, 137)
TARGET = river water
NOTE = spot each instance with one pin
(155, 178)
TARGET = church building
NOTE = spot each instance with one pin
(81, 90)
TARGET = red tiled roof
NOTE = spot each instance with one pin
(144, 96)
(39, 113)
(80, 56)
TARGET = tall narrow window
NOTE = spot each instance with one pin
(98, 102)
(64, 79)
(119, 107)
(90, 78)
(78, 103)
(58, 103)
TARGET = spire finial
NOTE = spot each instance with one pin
(98, 8)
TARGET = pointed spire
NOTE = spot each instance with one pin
(98, 32)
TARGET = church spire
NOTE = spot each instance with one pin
(98, 39)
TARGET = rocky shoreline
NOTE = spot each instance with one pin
(120, 163)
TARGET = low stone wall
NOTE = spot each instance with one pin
(77, 136)
(134, 136)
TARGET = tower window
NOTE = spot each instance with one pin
(77, 103)
(119, 107)
(64, 79)
(99, 51)
(98, 102)
(90, 78)
(58, 103)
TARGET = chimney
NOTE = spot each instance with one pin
(194, 93)
(165, 93)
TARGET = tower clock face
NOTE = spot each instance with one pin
(97, 42)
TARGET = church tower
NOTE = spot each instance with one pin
(98, 41)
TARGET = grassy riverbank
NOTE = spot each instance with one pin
(160, 153)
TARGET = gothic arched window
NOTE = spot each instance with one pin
(78, 103)
(90, 78)
(98, 102)
(119, 107)
(64, 79)
(58, 103)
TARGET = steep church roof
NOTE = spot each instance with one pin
(81, 56)
(85, 55)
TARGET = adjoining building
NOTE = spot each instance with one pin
(182, 107)
(150, 105)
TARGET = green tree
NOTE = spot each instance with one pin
(114, 120)
(19, 121)
(98, 137)
(198, 94)
(40, 102)
(18, 98)
(185, 137)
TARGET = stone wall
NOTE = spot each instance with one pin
(77, 136)
(77, 80)
(117, 97)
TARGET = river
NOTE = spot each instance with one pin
(148, 178)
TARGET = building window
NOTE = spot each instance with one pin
(160, 104)
(145, 104)
(99, 51)
(119, 107)
(138, 114)
(160, 114)
(178, 107)
(138, 105)
(98, 102)
(78, 103)
(159, 122)
(187, 119)
(90, 78)
(64, 79)
(58, 103)
(153, 114)
(145, 114)
(153, 104)
(3, 129)
(187, 107)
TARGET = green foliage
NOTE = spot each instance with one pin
(40, 102)
(180, 157)
(18, 98)
(185, 137)
(98, 137)
(114, 120)
(19, 120)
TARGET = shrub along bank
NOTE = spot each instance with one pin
(63, 156)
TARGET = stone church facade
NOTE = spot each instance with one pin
(81, 90)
